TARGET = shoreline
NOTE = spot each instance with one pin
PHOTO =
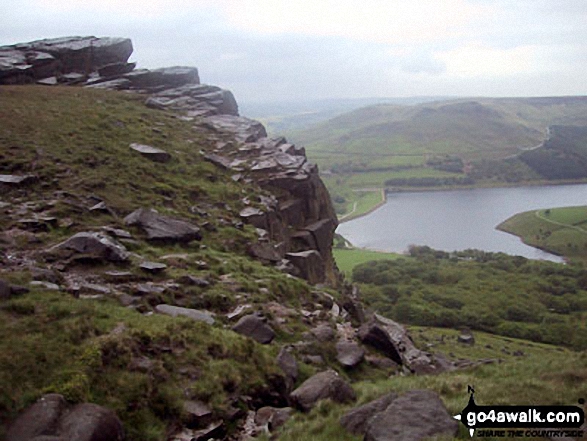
(350, 216)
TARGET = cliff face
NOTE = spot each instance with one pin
(295, 225)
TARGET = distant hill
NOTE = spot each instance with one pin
(299, 115)
(480, 141)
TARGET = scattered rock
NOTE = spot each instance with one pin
(163, 228)
(255, 327)
(152, 153)
(349, 354)
(47, 285)
(194, 314)
(94, 245)
(324, 385)
(153, 267)
(416, 415)
(15, 180)
(356, 420)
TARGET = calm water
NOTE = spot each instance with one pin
(457, 220)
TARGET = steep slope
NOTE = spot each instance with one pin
(166, 268)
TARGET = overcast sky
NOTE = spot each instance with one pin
(305, 49)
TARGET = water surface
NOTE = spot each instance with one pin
(458, 220)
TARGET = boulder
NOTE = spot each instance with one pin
(90, 422)
(375, 335)
(323, 385)
(39, 419)
(414, 416)
(198, 414)
(349, 354)
(394, 341)
(163, 228)
(194, 314)
(152, 153)
(323, 332)
(310, 265)
(95, 246)
(50, 419)
(255, 327)
(272, 417)
(356, 420)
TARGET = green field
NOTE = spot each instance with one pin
(561, 231)
(347, 258)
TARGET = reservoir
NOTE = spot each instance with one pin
(457, 220)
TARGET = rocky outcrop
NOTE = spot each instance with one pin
(296, 225)
(58, 57)
(102, 63)
(51, 418)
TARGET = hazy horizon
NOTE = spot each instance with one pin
(268, 51)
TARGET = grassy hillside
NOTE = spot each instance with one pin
(445, 144)
(86, 344)
(561, 231)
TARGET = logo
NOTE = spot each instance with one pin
(520, 421)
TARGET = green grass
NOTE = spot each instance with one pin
(50, 342)
(347, 258)
(558, 230)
